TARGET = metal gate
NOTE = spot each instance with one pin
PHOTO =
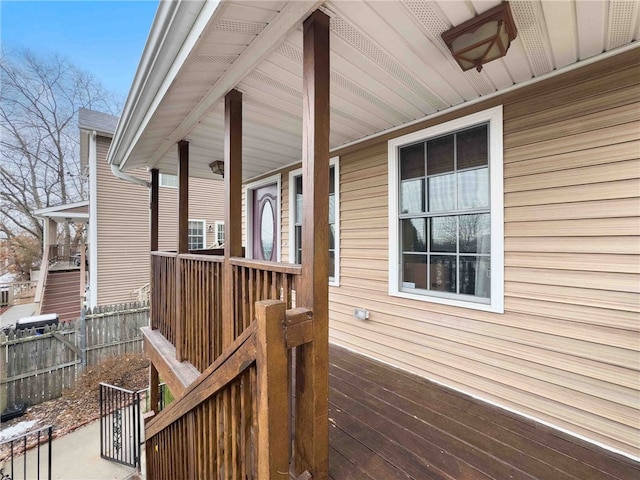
(27, 456)
(120, 425)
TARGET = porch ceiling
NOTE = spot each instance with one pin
(389, 66)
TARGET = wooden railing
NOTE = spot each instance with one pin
(200, 303)
(15, 293)
(186, 299)
(163, 294)
(62, 253)
(260, 280)
(224, 426)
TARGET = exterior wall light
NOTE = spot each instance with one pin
(483, 38)
(217, 167)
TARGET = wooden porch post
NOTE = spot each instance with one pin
(183, 236)
(312, 379)
(154, 378)
(233, 206)
(154, 206)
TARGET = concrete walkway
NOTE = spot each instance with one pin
(76, 456)
(15, 313)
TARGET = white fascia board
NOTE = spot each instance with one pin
(51, 210)
(268, 40)
(177, 27)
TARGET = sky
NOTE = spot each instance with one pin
(105, 38)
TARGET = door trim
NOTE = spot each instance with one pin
(248, 203)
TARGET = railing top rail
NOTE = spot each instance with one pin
(102, 384)
(277, 267)
(204, 258)
(164, 254)
(26, 434)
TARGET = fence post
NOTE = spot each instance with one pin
(273, 391)
(83, 338)
(3, 371)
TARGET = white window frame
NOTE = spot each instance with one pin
(163, 176)
(493, 117)
(335, 163)
(204, 232)
(248, 198)
(216, 224)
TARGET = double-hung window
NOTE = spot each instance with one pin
(295, 219)
(196, 234)
(446, 220)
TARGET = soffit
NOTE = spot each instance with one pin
(389, 66)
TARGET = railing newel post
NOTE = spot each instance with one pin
(273, 390)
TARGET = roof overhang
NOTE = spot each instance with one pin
(389, 68)
(72, 212)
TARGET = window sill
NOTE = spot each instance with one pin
(485, 307)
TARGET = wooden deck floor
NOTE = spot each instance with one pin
(387, 424)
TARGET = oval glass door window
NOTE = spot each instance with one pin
(267, 230)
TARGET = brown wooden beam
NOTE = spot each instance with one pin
(154, 388)
(312, 378)
(155, 209)
(183, 239)
(177, 375)
(183, 196)
(233, 206)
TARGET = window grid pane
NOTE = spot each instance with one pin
(455, 192)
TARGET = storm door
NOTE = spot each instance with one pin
(265, 223)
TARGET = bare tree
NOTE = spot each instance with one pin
(39, 154)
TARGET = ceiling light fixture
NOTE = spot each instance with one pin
(217, 167)
(483, 38)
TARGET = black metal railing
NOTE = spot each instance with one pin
(120, 433)
(22, 456)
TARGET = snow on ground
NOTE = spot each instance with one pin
(16, 429)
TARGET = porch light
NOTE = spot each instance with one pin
(483, 38)
(217, 167)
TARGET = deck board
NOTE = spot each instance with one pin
(389, 424)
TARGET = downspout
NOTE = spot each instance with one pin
(93, 221)
(129, 178)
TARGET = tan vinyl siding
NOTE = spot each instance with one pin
(566, 350)
(123, 226)
(123, 232)
(206, 202)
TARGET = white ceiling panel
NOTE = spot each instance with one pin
(389, 66)
(560, 18)
(592, 23)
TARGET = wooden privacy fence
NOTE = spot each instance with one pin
(224, 426)
(114, 330)
(36, 365)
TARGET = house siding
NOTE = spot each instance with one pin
(566, 349)
(123, 235)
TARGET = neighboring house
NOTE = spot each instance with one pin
(484, 226)
(117, 217)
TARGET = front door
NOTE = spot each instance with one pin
(265, 225)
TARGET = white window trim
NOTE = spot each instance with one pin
(204, 230)
(335, 163)
(215, 230)
(248, 200)
(160, 176)
(494, 117)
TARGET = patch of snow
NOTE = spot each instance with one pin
(8, 277)
(16, 429)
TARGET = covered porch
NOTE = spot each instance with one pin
(241, 336)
